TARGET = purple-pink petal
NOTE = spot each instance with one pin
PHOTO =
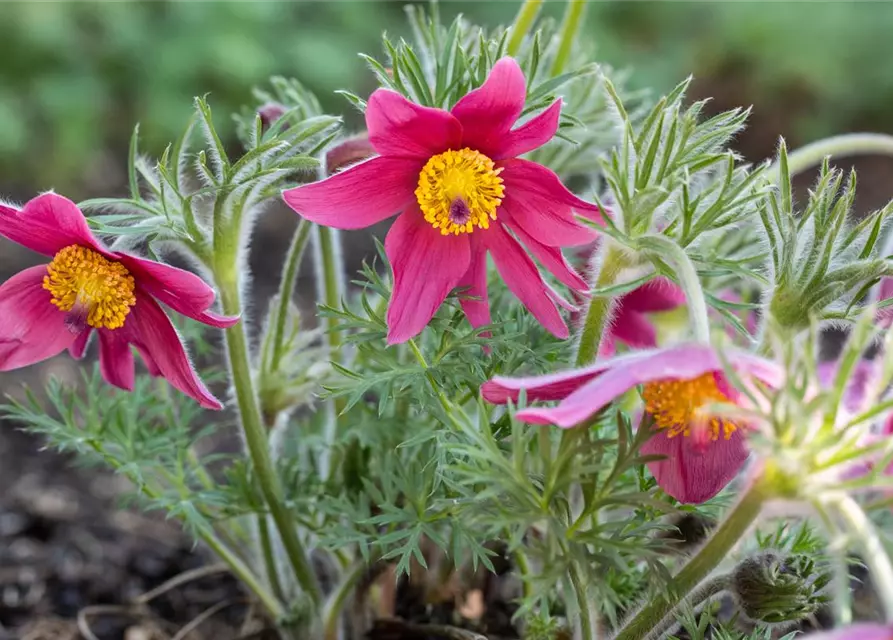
(660, 294)
(116, 360)
(181, 290)
(47, 224)
(863, 631)
(553, 260)
(632, 328)
(524, 280)
(693, 474)
(79, 346)
(360, 196)
(400, 128)
(488, 113)
(532, 134)
(475, 301)
(31, 328)
(427, 266)
(150, 330)
(537, 201)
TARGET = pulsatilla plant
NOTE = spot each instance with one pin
(589, 325)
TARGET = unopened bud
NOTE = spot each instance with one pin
(774, 588)
(270, 113)
(348, 152)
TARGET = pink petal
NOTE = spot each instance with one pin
(553, 260)
(488, 113)
(883, 291)
(31, 328)
(864, 631)
(182, 291)
(475, 301)
(400, 128)
(47, 224)
(689, 474)
(360, 196)
(116, 360)
(552, 386)
(427, 266)
(524, 280)
(150, 330)
(633, 329)
(532, 134)
(660, 294)
(79, 346)
(536, 201)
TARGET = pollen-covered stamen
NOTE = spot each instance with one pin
(460, 190)
(90, 288)
(677, 406)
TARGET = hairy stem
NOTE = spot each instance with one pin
(572, 19)
(336, 601)
(700, 565)
(287, 287)
(850, 144)
(861, 527)
(599, 313)
(699, 596)
(521, 26)
(588, 617)
(689, 281)
(256, 436)
(269, 555)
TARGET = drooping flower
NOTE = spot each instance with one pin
(85, 288)
(703, 451)
(462, 192)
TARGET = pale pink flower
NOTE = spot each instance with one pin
(85, 288)
(864, 631)
(702, 451)
(462, 192)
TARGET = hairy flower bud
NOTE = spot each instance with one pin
(774, 588)
(270, 113)
(348, 152)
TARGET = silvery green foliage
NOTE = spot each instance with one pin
(823, 262)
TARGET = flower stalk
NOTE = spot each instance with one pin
(573, 18)
(842, 146)
(736, 524)
(523, 21)
(598, 316)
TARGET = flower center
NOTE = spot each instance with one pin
(459, 190)
(676, 406)
(91, 289)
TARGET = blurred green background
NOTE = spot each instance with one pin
(75, 77)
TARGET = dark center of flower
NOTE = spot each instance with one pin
(459, 212)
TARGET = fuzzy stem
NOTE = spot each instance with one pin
(256, 435)
(336, 601)
(700, 565)
(287, 287)
(523, 21)
(266, 547)
(688, 280)
(849, 144)
(599, 312)
(572, 19)
(697, 597)
(873, 551)
(588, 618)
(420, 358)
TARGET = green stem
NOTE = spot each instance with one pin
(697, 597)
(287, 287)
(665, 248)
(699, 566)
(336, 601)
(523, 21)
(256, 439)
(588, 621)
(331, 281)
(420, 358)
(861, 527)
(266, 547)
(850, 144)
(599, 313)
(572, 19)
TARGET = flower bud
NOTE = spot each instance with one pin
(348, 152)
(773, 588)
(270, 113)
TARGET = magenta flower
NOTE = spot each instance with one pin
(49, 308)
(883, 292)
(461, 191)
(703, 451)
(864, 631)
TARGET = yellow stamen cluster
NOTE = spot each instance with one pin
(84, 282)
(460, 190)
(676, 406)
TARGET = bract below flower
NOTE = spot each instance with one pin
(462, 192)
(703, 451)
(85, 288)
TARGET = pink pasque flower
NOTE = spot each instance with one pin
(702, 451)
(863, 631)
(86, 288)
(461, 191)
